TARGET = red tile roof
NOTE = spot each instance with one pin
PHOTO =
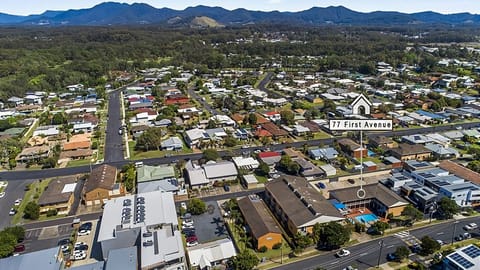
(268, 154)
(262, 133)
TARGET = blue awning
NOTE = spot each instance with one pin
(339, 205)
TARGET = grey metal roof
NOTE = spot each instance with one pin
(122, 259)
(220, 169)
(45, 259)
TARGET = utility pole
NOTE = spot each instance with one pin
(380, 253)
(454, 227)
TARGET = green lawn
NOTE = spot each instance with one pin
(81, 162)
(261, 179)
(36, 189)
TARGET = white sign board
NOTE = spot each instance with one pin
(353, 125)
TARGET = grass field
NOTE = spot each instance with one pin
(34, 192)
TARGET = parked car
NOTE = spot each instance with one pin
(81, 247)
(17, 202)
(2, 194)
(350, 268)
(392, 257)
(79, 256)
(77, 244)
(65, 248)
(470, 226)
(321, 185)
(343, 253)
(226, 188)
(12, 212)
(190, 233)
(82, 232)
(19, 248)
(441, 242)
(192, 238)
(192, 244)
(187, 222)
(65, 241)
(415, 248)
(185, 226)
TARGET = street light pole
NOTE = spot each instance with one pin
(380, 253)
(454, 227)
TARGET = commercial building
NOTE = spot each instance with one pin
(148, 219)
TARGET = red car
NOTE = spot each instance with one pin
(19, 248)
(192, 238)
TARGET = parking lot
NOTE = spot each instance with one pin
(89, 239)
(38, 239)
(210, 225)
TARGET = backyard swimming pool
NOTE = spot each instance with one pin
(366, 218)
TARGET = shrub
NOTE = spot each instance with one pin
(262, 249)
(277, 246)
(52, 212)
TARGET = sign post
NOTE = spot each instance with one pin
(361, 106)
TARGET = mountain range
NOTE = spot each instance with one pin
(112, 13)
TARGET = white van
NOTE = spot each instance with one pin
(138, 164)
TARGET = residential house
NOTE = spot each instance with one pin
(270, 158)
(83, 127)
(248, 163)
(328, 170)
(195, 175)
(58, 195)
(220, 171)
(308, 169)
(442, 152)
(172, 143)
(326, 153)
(352, 148)
(297, 205)
(409, 152)
(155, 230)
(393, 162)
(250, 181)
(15, 101)
(194, 137)
(272, 116)
(209, 255)
(274, 130)
(378, 198)
(152, 178)
(138, 130)
(239, 118)
(76, 154)
(102, 185)
(382, 142)
(46, 131)
(33, 153)
(369, 166)
(176, 99)
(261, 225)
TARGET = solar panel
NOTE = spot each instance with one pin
(461, 260)
(472, 251)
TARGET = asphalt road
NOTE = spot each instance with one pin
(366, 255)
(14, 190)
(38, 174)
(262, 86)
(204, 103)
(113, 140)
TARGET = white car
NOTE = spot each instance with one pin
(183, 205)
(192, 244)
(77, 244)
(83, 232)
(2, 194)
(343, 253)
(12, 212)
(79, 256)
(470, 226)
(17, 202)
(64, 248)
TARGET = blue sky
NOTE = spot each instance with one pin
(25, 7)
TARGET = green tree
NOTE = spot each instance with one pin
(196, 206)
(429, 245)
(7, 243)
(252, 119)
(474, 165)
(380, 227)
(263, 169)
(287, 117)
(412, 213)
(59, 119)
(402, 252)
(17, 231)
(448, 208)
(32, 211)
(230, 141)
(334, 235)
(245, 260)
(302, 241)
(210, 154)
